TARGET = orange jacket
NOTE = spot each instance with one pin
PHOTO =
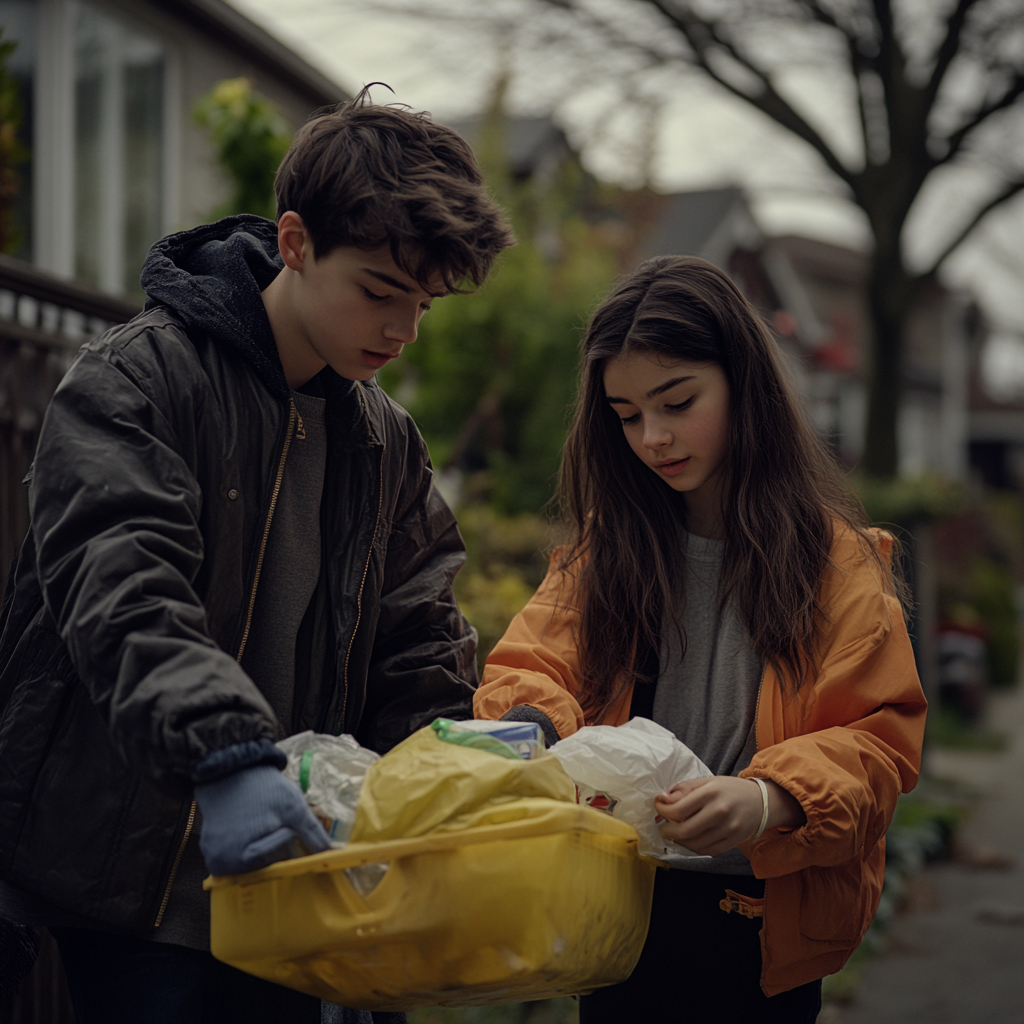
(844, 745)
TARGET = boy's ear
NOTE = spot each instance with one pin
(293, 240)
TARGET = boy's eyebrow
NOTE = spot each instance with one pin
(388, 279)
(654, 392)
(395, 283)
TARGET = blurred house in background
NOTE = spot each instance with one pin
(996, 427)
(116, 161)
(536, 148)
(813, 294)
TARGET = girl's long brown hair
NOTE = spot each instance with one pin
(783, 493)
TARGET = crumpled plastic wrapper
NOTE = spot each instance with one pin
(621, 769)
(330, 770)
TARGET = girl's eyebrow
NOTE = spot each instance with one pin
(654, 392)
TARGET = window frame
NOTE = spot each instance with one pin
(54, 178)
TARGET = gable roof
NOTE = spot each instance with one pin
(687, 221)
(234, 30)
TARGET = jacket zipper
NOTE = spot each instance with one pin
(177, 862)
(293, 416)
(362, 583)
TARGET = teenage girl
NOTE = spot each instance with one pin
(723, 581)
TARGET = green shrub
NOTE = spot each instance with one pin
(491, 379)
(994, 599)
(13, 153)
(251, 139)
(910, 500)
(506, 560)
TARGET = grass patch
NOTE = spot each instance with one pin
(842, 987)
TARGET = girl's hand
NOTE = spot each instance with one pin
(710, 816)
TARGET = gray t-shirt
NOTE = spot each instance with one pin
(288, 578)
(707, 694)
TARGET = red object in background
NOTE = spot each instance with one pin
(784, 323)
(839, 352)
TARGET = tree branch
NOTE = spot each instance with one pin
(956, 141)
(703, 36)
(890, 65)
(948, 49)
(1011, 189)
(859, 62)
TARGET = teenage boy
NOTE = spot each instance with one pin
(234, 538)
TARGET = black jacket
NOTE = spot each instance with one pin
(150, 495)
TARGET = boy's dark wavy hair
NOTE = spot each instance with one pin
(783, 493)
(371, 175)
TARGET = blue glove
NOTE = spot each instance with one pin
(251, 818)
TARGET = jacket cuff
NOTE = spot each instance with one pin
(528, 713)
(221, 763)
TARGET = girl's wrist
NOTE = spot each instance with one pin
(784, 810)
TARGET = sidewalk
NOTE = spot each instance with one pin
(956, 955)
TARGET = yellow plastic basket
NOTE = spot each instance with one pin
(547, 905)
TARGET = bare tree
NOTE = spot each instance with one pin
(937, 86)
(923, 104)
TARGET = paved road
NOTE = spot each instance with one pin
(957, 956)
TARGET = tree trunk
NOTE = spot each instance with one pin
(889, 291)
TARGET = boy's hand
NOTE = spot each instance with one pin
(710, 816)
(251, 819)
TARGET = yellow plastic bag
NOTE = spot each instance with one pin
(498, 888)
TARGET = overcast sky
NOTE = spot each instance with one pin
(703, 138)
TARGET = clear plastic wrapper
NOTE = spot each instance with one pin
(621, 769)
(330, 770)
(507, 739)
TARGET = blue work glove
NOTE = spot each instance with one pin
(251, 818)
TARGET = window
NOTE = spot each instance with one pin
(118, 149)
(98, 195)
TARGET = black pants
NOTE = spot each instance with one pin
(115, 979)
(699, 965)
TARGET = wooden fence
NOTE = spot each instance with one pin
(43, 322)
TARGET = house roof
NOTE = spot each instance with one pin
(688, 220)
(823, 259)
(529, 140)
(237, 32)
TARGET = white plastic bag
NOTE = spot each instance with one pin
(621, 769)
(330, 770)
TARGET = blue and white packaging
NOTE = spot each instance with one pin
(525, 738)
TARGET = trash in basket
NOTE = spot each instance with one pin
(497, 887)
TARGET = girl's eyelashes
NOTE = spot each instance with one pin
(678, 407)
(681, 405)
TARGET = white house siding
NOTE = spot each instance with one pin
(197, 63)
(80, 227)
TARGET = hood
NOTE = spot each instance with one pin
(212, 276)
